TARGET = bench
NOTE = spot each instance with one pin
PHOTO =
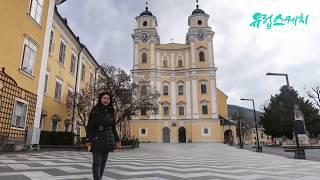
(289, 150)
(293, 148)
(316, 146)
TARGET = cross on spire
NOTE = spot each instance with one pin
(171, 40)
(197, 4)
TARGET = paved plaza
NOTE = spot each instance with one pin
(196, 161)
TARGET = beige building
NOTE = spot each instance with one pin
(251, 137)
(185, 75)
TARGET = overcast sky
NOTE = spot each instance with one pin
(243, 54)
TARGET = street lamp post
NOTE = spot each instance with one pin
(299, 153)
(240, 132)
(259, 148)
(229, 133)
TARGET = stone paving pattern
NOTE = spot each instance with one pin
(197, 161)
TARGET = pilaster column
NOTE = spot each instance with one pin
(158, 116)
(187, 59)
(152, 56)
(136, 56)
(172, 61)
(188, 95)
(158, 59)
(195, 113)
(193, 52)
(213, 89)
(173, 97)
(152, 87)
(210, 49)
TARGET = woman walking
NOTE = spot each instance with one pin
(102, 133)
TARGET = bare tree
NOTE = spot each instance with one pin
(84, 103)
(128, 97)
(314, 94)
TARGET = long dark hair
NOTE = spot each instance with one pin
(99, 105)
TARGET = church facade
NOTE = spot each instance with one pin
(190, 104)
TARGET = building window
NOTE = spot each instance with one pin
(62, 52)
(143, 90)
(201, 56)
(179, 63)
(54, 126)
(46, 84)
(36, 10)
(144, 58)
(57, 92)
(143, 132)
(91, 79)
(165, 90)
(262, 136)
(29, 56)
(203, 89)
(51, 42)
(66, 127)
(254, 132)
(180, 90)
(165, 63)
(69, 98)
(73, 64)
(41, 122)
(206, 131)
(166, 111)
(204, 109)
(181, 111)
(83, 72)
(19, 115)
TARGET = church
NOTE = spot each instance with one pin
(191, 107)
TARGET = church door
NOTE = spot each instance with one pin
(166, 135)
(182, 135)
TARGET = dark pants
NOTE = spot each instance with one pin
(98, 165)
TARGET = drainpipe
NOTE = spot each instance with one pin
(75, 88)
(94, 85)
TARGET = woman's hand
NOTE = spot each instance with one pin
(118, 144)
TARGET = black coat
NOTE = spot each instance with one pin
(102, 132)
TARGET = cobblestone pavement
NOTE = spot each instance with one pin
(197, 161)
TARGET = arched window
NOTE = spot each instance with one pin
(204, 107)
(165, 90)
(144, 57)
(179, 63)
(165, 63)
(180, 90)
(143, 91)
(201, 56)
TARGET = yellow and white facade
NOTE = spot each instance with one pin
(25, 29)
(43, 62)
(70, 67)
(185, 75)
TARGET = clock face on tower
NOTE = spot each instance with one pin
(201, 35)
(145, 37)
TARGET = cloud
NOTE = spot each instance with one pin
(243, 54)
